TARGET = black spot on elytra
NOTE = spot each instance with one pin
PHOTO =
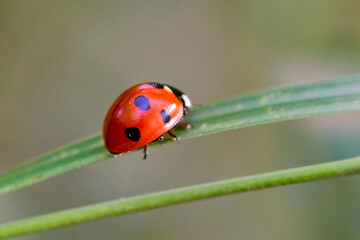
(165, 116)
(142, 103)
(157, 85)
(133, 134)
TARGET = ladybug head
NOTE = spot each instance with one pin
(186, 102)
(184, 99)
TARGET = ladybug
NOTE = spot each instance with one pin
(142, 114)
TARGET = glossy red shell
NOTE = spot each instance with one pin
(124, 114)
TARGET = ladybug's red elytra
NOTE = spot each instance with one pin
(142, 114)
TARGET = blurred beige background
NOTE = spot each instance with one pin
(62, 63)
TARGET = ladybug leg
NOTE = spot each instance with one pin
(159, 138)
(146, 152)
(185, 125)
(175, 138)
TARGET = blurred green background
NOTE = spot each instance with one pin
(62, 63)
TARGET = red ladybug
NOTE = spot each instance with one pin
(142, 114)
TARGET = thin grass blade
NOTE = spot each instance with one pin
(181, 195)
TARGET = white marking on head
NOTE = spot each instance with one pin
(167, 89)
(187, 101)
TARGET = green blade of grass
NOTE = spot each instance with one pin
(313, 99)
(181, 195)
